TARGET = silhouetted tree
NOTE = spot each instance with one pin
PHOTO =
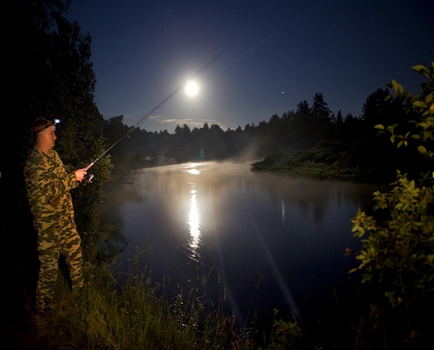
(320, 110)
(339, 119)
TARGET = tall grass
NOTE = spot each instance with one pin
(127, 310)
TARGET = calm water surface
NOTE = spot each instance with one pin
(271, 241)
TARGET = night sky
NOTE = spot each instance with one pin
(252, 59)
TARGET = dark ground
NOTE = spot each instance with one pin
(18, 325)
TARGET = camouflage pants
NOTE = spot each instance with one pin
(60, 238)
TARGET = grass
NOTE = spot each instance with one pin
(138, 314)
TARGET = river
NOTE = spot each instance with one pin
(266, 241)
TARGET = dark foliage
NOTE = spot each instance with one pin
(47, 73)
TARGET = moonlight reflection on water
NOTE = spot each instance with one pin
(193, 222)
(193, 243)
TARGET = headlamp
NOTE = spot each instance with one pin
(44, 124)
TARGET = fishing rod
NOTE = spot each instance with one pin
(132, 128)
(89, 177)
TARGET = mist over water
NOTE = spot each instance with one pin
(272, 241)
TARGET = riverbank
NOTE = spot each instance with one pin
(326, 161)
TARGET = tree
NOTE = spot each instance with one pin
(182, 130)
(339, 119)
(381, 107)
(320, 109)
(397, 253)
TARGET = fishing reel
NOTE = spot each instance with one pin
(88, 179)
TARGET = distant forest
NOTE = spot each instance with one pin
(337, 140)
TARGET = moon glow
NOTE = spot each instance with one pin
(191, 88)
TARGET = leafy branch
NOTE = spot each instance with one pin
(423, 105)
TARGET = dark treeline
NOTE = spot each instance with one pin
(341, 141)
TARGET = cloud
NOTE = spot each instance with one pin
(191, 122)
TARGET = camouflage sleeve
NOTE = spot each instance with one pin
(49, 177)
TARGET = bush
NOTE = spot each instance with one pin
(397, 254)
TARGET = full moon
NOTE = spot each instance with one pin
(191, 88)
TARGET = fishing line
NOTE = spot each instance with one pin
(135, 126)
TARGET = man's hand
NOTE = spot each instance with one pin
(79, 174)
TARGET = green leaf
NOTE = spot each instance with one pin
(379, 126)
(419, 104)
(422, 149)
(420, 69)
(366, 278)
(397, 87)
(361, 256)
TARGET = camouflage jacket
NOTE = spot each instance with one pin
(48, 189)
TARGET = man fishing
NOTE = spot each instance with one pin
(48, 187)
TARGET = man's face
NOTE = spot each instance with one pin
(49, 137)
